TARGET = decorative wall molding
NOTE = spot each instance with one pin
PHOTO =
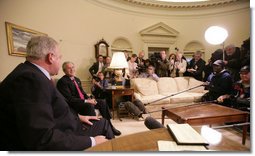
(120, 44)
(182, 5)
(159, 33)
(170, 9)
(194, 46)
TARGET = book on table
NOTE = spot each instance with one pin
(164, 145)
(184, 134)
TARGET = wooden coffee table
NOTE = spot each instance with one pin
(206, 114)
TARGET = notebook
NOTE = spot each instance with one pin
(184, 134)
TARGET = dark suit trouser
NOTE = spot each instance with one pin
(103, 108)
(101, 127)
(87, 109)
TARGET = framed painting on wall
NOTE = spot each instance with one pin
(18, 37)
(101, 48)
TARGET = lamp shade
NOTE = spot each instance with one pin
(118, 61)
(216, 35)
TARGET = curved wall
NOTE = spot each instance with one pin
(79, 24)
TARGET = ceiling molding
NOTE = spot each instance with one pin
(173, 9)
(180, 5)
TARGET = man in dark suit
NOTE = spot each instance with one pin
(97, 66)
(34, 115)
(232, 61)
(70, 87)
(196, 66)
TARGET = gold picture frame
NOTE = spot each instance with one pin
(18, 37)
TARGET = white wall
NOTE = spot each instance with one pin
(79, 24)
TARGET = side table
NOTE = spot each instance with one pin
(118, 92)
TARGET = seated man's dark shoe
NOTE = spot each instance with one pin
(115, 131)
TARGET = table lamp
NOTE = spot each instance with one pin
(216, 35)
(118, 63)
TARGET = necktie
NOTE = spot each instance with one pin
(78, 89)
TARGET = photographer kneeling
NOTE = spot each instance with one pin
(99, 85)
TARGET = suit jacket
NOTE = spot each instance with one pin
(35, 116)
(68, 89)
(199, 66)
(234, 64)
(94, 68)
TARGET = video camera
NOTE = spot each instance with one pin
(141, 68)
(97, 79)
(155, 58)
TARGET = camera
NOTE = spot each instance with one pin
(155, 58)
(97, 79)
(141, 68)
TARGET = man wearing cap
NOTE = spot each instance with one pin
(240, 96)
(220, 82)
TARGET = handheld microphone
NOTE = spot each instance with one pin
(152, 123)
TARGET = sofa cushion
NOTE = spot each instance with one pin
(182, 83)
(152, 98)
(193, 82)
(145, 86)
(167, 85)
(197, 96)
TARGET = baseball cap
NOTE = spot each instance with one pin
(219, 63)
(245, 69)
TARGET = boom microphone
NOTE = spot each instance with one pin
(152, 123)
(187, 105)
